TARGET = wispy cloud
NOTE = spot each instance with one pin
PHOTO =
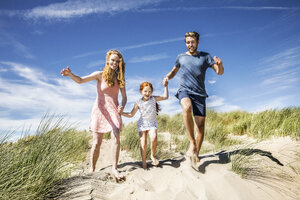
(97, 63)
(275, 103)
(148, 58)
(79, 8)
(129, 47)
(281, 70)
(32, 93)
(20, 49)
(250, 8)
(219, 104)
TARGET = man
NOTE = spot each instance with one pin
(191, 93)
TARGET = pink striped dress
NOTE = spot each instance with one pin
(105, 116)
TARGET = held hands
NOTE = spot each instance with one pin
(120, 110)
(165, 81)
(66, 72)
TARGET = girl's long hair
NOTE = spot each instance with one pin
(108, 73)
(145, 84)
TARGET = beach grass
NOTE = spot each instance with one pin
(218, 126)
(34, 164)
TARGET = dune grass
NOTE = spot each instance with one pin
(262, 125)
(32, 166)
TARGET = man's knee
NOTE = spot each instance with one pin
(186, 105)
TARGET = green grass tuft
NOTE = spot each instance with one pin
(32, 166)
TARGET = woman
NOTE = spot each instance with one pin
(106, 111)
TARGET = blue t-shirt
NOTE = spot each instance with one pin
(192, 72)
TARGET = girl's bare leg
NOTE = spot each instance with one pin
(143, 148)
(115, 151)
(153, 137)
(95, 151)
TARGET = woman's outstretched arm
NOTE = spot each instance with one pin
(67, 72)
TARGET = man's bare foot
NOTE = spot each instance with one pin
(117, 175)
(155, 162)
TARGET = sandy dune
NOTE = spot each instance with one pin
(271, 176)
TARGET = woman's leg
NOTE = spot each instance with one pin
(143, 148)
(95, 151)
(153, 137)
(115, 151)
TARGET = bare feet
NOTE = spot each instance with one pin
(117, 175)
(144, 165)
(193, 159)
(155, 162)
(91, 170)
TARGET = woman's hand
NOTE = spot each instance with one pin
(66, 72)
(120, 109)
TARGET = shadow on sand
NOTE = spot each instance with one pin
(131, 166)
(224, 157)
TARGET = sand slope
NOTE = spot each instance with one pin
(271, 177)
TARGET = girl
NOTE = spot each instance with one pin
(147, 122)
(105, 115)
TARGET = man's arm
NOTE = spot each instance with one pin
(171, 74)
(218, 66)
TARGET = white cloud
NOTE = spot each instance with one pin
(214, 101)
(129, 47)
(27, 98)
(3, 69)
(281, 70)
(219, 104)
(80, 8)
(276, 103)
(212, 82)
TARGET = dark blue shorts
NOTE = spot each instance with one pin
(198, 102)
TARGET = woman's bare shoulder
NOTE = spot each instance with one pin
(98, 75)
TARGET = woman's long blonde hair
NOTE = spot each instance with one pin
(108, 73)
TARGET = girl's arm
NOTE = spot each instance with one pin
(171, 74)
(165, 96)
(78, 79)
(132, 113)
(124, 100)
(166, 92)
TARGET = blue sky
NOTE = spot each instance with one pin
(258, 41)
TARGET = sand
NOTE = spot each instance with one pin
(270, 177)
